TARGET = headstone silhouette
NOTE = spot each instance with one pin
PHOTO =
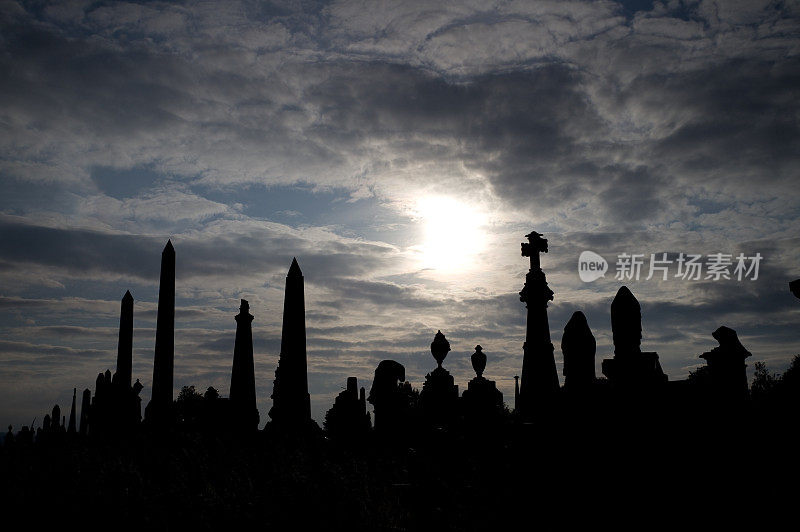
(348, 418)
(539, 376)
(25, 436)
(72, 428)
(439, 394)
(116, 408)
(102, 411)
(97, 413)
(243, 379)
(291, 403)
(388, 397)
(630, 367)
(727, 370)
(578, 347)
(55, 419)
(134, 403)
(86, 402)
(159, 409)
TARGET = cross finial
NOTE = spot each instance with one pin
(535, 245)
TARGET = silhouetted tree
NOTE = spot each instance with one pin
(211, 394)
(699, 376)
(791, 376)
(189, 406)
(764, 383)
(789, 385)
(188, 393)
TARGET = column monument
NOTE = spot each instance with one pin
(539, 377)
(243, 379)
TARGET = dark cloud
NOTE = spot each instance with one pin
(31, 353)
(728, 122)
(80, 251)
(548, 134)
(523, 130)
(252, 251)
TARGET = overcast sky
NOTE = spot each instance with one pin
(401, 151)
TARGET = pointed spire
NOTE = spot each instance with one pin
(125, 342)
(164, 359)
(291, 403)
(294, 269)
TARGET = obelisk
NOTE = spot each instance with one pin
(243, 379)
(291, 403)
(539, 376)
(161, 399)
(125, 344)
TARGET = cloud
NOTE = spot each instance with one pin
(42, 351)
(251, 133)
(224, 248)
(590, 132)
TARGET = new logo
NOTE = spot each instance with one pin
(591, 266)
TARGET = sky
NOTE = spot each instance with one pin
(401, 151)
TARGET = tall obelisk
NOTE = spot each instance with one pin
(161, 399)
(125, 344)
(243, 379)
(539, 376)
(291, 403)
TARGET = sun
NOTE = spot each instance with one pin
(454, 233)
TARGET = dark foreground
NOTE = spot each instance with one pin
(539, 476)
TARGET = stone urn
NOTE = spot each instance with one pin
(479, 361)
(439, 348)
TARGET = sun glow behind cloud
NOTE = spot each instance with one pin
(454, 233)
